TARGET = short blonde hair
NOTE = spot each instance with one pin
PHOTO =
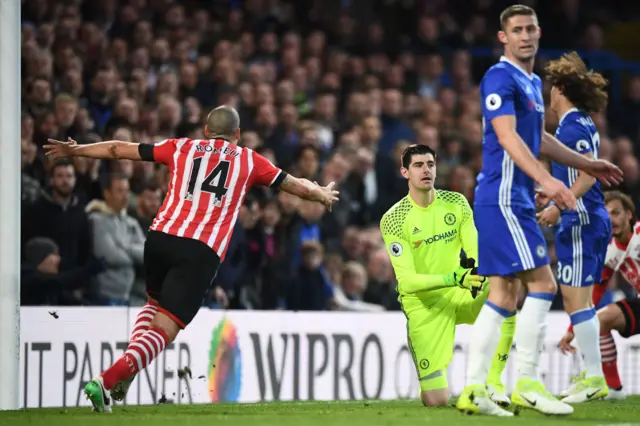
(65, 98)
(310, 246)
(353, 268)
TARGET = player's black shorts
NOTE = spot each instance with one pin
(631, 311)
(179, 274)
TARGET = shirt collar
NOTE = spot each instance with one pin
(565, 115)
(516, 66)
(435, 198)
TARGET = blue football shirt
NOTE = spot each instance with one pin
(577, 131)
(507, 89)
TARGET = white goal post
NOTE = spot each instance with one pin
(10, 171)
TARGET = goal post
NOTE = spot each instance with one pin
(10, 178)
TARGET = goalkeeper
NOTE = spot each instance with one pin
(438, 287)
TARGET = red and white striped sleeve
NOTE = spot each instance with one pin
(264, 172)
(159, 152)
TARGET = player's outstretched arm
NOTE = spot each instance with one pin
(108, 150)
(308, 190)
(555, 150)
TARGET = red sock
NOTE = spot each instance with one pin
(610, 360)
(137, 357)
(143, 321)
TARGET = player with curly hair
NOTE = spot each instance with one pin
(582, 234)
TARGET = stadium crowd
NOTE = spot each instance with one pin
(329, 90)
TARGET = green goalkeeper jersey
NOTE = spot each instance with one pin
(424, 244)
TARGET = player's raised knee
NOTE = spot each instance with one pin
(167, 322)
(611, 318)
(435, 398)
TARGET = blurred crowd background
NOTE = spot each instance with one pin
(330, 90)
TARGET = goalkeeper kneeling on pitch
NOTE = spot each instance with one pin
(433, 243)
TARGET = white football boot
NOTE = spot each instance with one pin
(532, 394)
(498, 394)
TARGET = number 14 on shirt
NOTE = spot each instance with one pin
(213, 183)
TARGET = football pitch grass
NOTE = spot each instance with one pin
(351, 413)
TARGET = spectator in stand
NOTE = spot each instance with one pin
(381, 288)
(394, 128)
(306, 161)
(308, 225)
(395, 185)
(66, 111)
(146, 206)
(58, 214)
(461, 180)
(336, 169)
(235, 284)
(40, 268)
(268, 249)
(364, 183)
(88, 175)
(310, 289)
(118, 240)
(354, 280)
(42, 282)
(30, 187)
(352, 244)
(631, 168)
(348, 293)
(629, 111)
(38, 97)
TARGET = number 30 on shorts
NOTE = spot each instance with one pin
(565, 273)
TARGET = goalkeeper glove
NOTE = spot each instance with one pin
(471, 263)
(466, 276)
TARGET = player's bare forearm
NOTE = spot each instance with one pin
(583, 183)
(505, 128)
(108, 150)
(556, 151)
(303, 188)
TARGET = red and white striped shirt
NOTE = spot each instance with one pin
(209, 180)
(624, 259)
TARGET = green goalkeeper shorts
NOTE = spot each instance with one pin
(431, 334)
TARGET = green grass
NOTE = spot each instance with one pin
(356, 413)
